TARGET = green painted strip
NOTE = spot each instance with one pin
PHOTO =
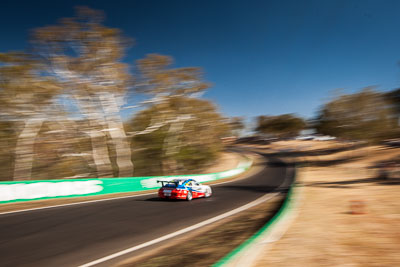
(286, 206)
(49, 189)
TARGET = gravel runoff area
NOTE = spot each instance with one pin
(226, 161)
(348, 216)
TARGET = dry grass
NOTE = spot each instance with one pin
(328, 231)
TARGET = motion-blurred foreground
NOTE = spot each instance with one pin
(62, 100)
(61, 105)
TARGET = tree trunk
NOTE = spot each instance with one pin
(98, 139)
(24, 149)
(122, 149)
(100, 154)
(117, 133)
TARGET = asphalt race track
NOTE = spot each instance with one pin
(75, 235)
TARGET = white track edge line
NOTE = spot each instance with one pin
(182, 231)
(76, 203)
(97, 200)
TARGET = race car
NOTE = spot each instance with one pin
(183, 189)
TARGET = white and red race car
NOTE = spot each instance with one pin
(183, 189)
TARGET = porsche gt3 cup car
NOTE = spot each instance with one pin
(183, 189)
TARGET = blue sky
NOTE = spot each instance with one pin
(263, 57)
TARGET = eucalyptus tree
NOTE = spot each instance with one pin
(365, 115)
(393, 98)
(28, 98)
(169, 90)
(286, 125)
(237, 125)
(86, 57)
(195, 144)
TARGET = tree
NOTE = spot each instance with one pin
(86, 57)
(29, 98)
(168, 88)
(195, 142)
(66, 95)
(365, 115)
(8, 139)
(286, 125)
(393, 98)
(237, 125)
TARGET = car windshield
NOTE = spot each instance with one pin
(170, 184)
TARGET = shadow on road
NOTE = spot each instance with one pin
(317, 152)
(253, 188)
(155, 199)
(344, 184)
(311, 163)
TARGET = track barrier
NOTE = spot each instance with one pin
(20, 191)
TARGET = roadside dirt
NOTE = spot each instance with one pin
(226, 161)
(348, 217)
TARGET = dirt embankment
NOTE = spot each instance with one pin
(226, 161)
(348, 216)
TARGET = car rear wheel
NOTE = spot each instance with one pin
(189, 196)
(208, 192)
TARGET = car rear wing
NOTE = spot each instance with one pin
(163, 182)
